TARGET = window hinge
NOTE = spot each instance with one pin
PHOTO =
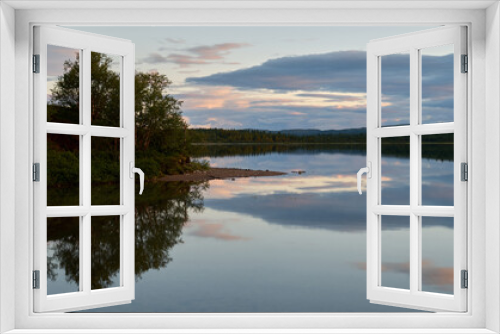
(36, 63)
(36, 172)
(36, 279)
(465, 279)
(464, 171)
(465, 64)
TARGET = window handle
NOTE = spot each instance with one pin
(368, 171)
(134, 170)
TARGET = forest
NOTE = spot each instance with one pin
(261, 136)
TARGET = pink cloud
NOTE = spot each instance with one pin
(217, 51)
(200, 55)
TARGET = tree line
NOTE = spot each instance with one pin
(216, 135)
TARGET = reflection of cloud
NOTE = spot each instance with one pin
(212, 230)
(291, 185)
(431, 274)
(331, 211)
(438, 276)
(310, 208)
(56, 56)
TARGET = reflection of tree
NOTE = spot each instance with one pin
(64, 243)
(440, 148)
(230, 150)
(105, 252)
(160, 216)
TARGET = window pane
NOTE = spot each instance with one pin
(63, 85)
(395, 171)
(395, 89)
(437, 254)
(105, 89)
(437, 170)
(437, 84)
(63, 258)
(395, 241)
(63, 170)
(105, 171)
(105, 247)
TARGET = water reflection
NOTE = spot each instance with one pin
(268, 244)
(160, 215)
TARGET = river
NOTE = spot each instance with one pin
(291, 243)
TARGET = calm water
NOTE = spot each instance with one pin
(292, 243)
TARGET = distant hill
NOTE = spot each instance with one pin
(315, 132)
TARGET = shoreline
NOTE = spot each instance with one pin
(219, 174)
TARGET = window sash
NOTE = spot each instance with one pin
(86, 297)
(413, 298)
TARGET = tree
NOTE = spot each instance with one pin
(160, 128)
(158, 117)
(159, 122)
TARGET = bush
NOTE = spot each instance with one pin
(62, 168)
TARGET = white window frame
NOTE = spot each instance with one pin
(86, 43)
(414, 43)
(484, 267)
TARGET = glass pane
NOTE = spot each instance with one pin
(437, 84)
(437, 254)
(63, 85)
(63, 258)
(395, 89)
(395, 242)
(105, 89)
(105, 248)
(437, 170)
(63, 170)
(395, 171)
(105, 171)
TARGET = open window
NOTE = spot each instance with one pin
(399, 227)
(83, 147)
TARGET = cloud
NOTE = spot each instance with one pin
(336, 71)
(340, 71)
(214, 122)
(334, 97)
(179, 59)
(271, 111)
(217, 51)
(199, 55)
(334, 76)
(175, 40)
(184, 60)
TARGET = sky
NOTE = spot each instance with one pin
(276, 77)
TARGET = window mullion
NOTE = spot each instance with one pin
(414, 171)
(85, 245)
